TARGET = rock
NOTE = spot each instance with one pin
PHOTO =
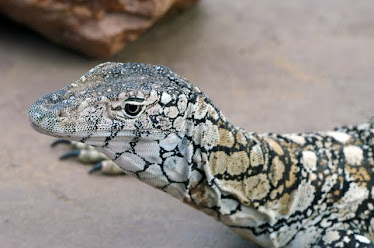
(98, 28)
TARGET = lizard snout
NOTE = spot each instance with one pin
(44, 112)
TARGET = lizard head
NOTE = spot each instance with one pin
(146, 118)
(115, 99)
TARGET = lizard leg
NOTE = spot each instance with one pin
(89, 155)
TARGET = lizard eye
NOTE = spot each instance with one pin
(132, 110)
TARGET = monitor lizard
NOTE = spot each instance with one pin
(292, 190)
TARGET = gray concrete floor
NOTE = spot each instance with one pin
(269, 65)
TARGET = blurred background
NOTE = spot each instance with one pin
(268, 65)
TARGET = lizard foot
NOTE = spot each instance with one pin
(89, 155)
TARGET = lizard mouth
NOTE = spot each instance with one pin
(35, 126)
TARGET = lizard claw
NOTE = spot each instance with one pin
(61, 141)
(107, 167)
(96, 167)
(74, 153)
(88, 155)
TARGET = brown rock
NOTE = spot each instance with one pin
(98, 28)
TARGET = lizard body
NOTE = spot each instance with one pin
(292, 190)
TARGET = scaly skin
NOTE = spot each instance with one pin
(294, 190)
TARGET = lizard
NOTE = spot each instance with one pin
(312, 189)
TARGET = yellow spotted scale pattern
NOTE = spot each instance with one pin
(292, 190)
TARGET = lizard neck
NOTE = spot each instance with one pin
(224, 157)
(234, 182)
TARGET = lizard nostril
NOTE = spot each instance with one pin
(62, 113)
